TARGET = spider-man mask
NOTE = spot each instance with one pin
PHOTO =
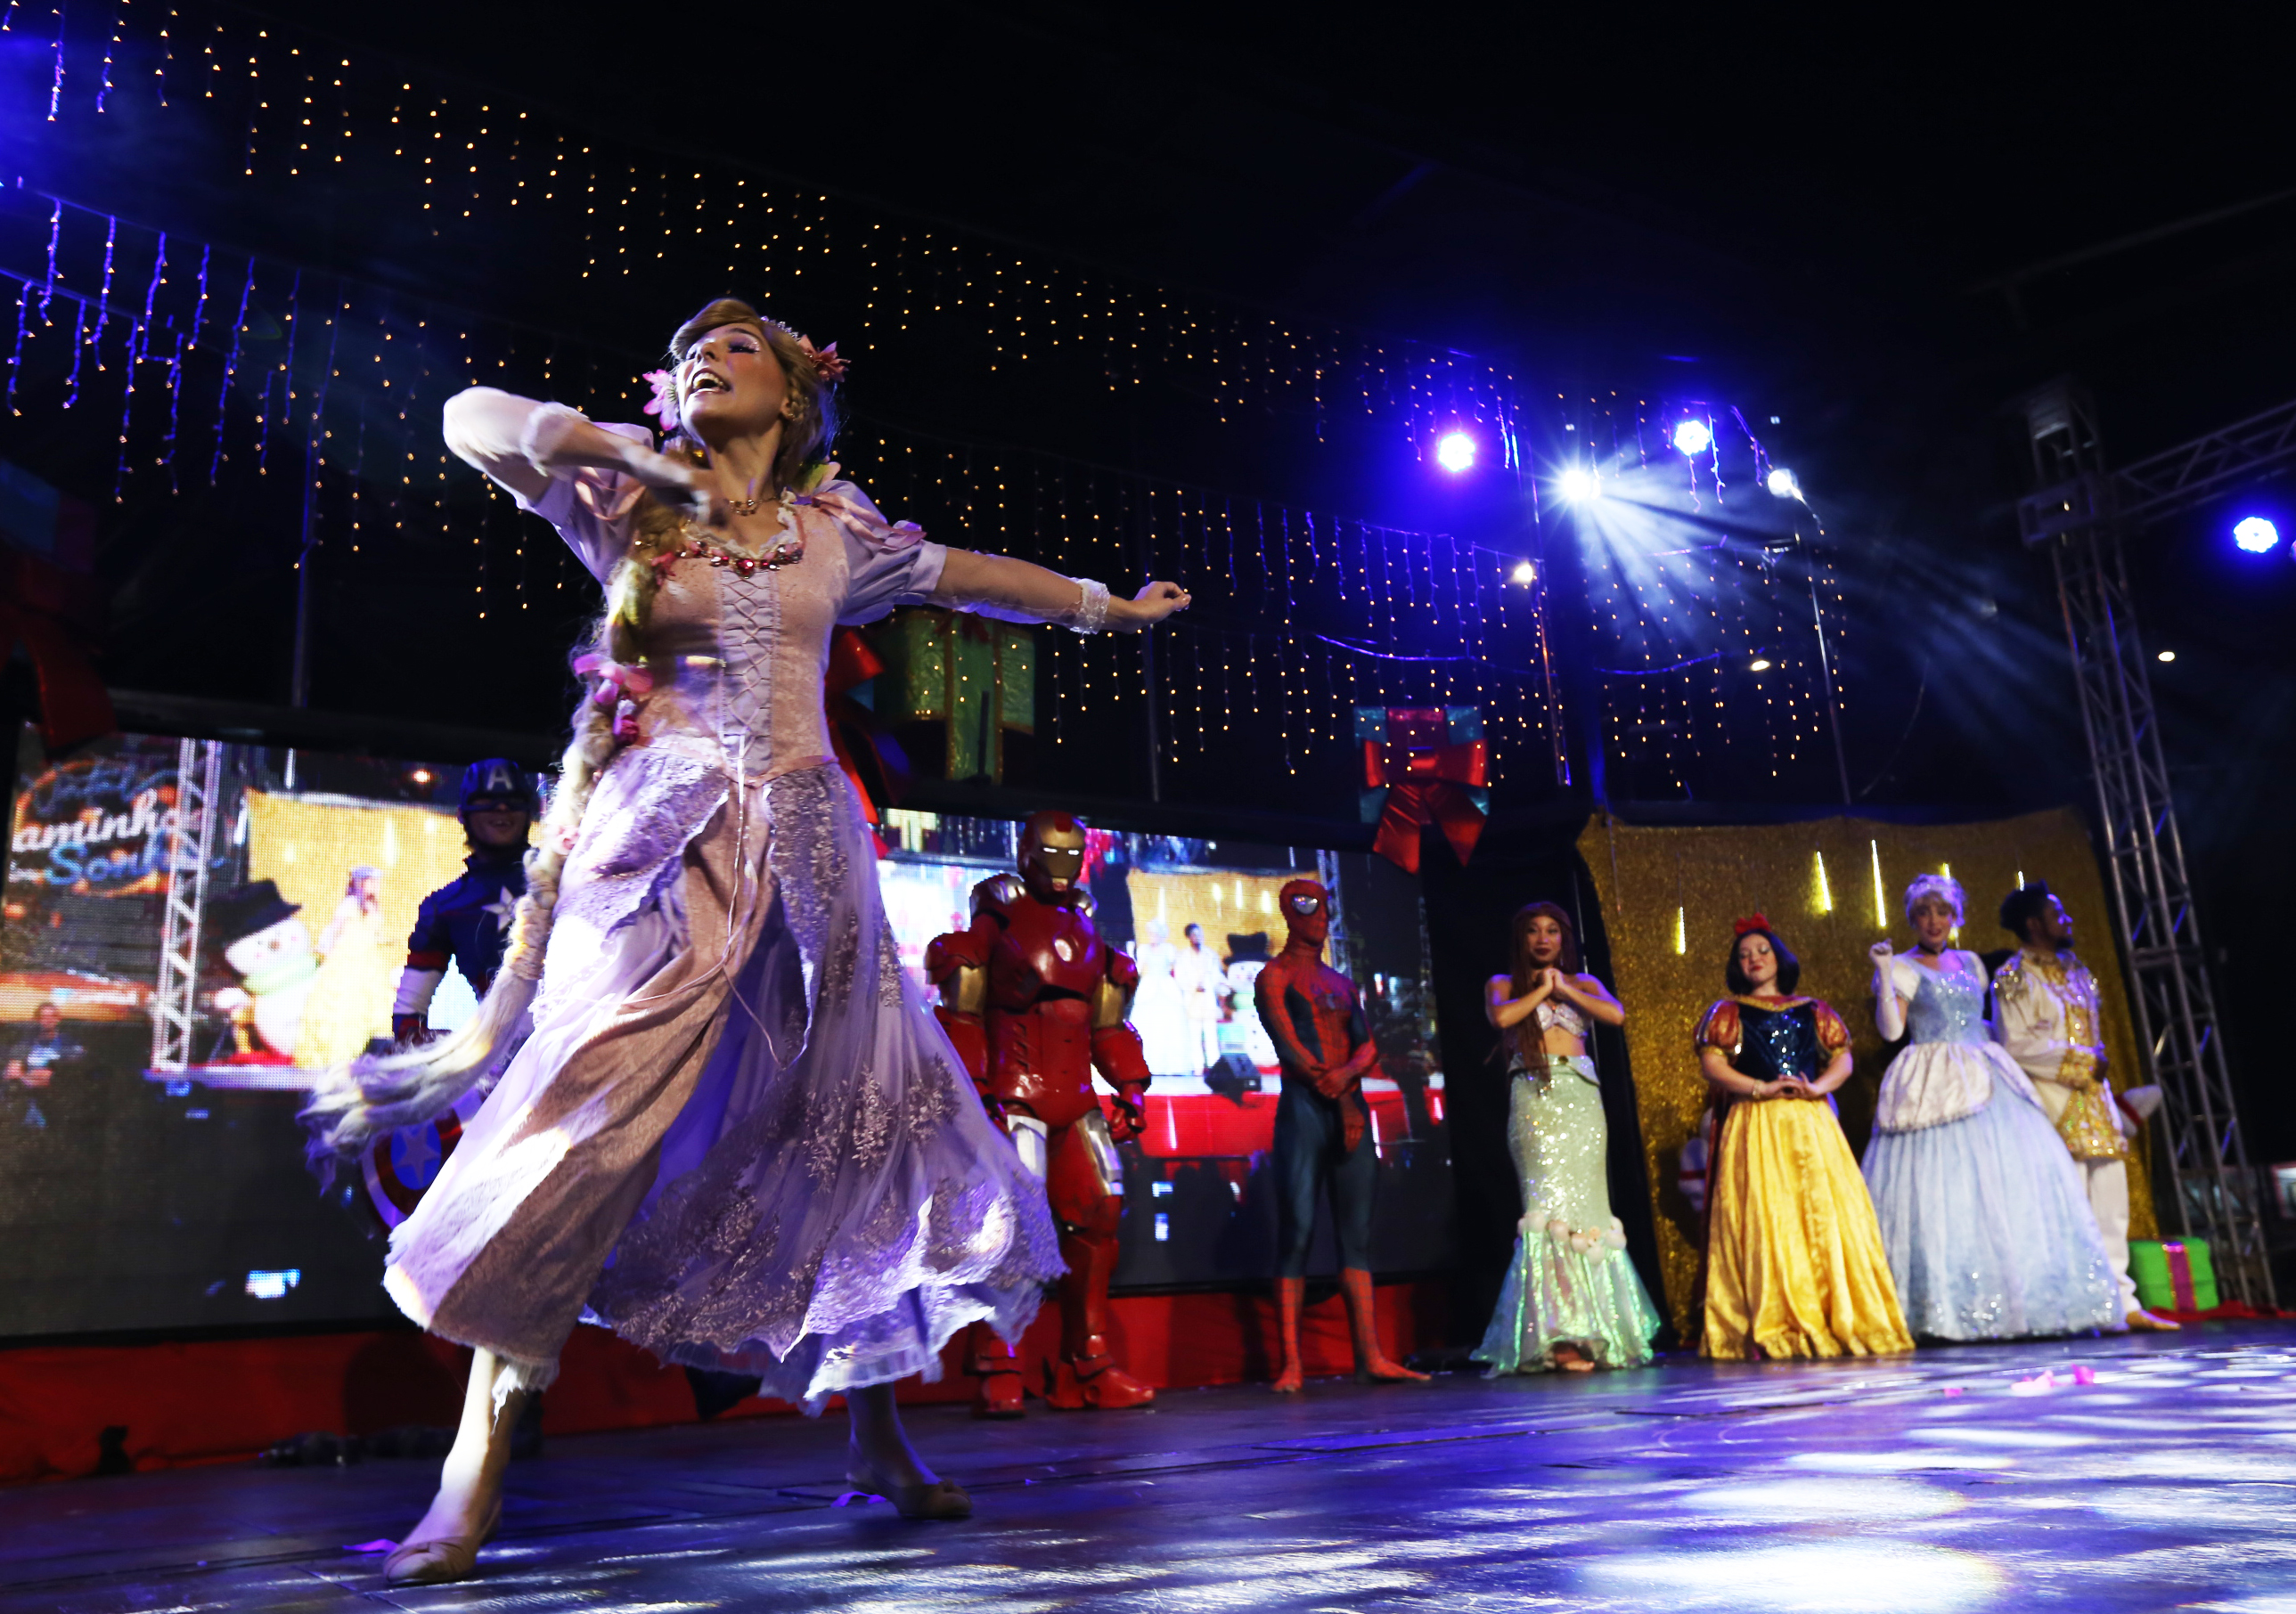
(1308, 909)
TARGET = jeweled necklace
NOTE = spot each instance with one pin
(701, 547)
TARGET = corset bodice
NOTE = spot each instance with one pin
(740, 661)
(1947, 1007)
(1779, 1042)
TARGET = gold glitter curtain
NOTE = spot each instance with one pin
(1669, 897)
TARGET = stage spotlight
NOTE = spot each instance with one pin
(420, 775)
(1693, 437)
(1577, 483)
(1783, 485)
(1524, 573)
(2168, 655)
(1456, 452)
(1760, 664)
(2256, 535)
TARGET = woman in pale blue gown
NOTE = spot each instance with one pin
(1982, 1210)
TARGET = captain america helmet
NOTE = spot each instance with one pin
(498, 778)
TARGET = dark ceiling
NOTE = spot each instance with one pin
(1880, 228)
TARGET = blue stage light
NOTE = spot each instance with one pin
(1577, 483)
(1780, 482)
(1456, 452)
(1693, 435)
(2256, 535)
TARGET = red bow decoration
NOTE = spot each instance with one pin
(871, 760)
(1748, 925)
(1432, 762)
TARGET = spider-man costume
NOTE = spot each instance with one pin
(1035, 999)
(1316, 1020)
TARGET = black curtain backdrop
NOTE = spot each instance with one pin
(1519, 861)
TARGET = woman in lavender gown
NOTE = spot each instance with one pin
(720, 1121)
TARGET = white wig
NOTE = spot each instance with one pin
(1944, 887)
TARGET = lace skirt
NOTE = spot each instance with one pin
(735, 1135)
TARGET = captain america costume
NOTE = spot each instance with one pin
(466, 924)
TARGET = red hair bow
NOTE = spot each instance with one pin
(1750, 924)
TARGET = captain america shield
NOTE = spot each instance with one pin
(401, 1166)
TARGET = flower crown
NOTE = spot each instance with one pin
(1748, 925)
(828, 368)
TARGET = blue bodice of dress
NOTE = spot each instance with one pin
(1947, 1008)
(1779, 1042)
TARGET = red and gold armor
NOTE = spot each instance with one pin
(1035, 1001)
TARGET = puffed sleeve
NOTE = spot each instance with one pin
(888, 563)
(1719, 1029)
(591, 508)
(497, 430)
(1905, 976)
(1832, 1035)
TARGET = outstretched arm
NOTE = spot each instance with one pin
(1006, 586)
(522, 444)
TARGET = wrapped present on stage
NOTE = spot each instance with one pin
(972, 677)
(2173, 1275)
(1424, 764)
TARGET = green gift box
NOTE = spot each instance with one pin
(973, 677)
(2173, 1275)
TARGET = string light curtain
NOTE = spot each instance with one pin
(225, 363)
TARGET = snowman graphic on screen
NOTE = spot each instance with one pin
(270, 949)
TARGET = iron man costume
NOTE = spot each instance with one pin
(1316, 1019)
(1035, 1001)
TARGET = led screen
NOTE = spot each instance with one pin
(190, 929)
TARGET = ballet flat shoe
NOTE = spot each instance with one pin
(942, 1499)
(2143, 1321)
(437, 1562)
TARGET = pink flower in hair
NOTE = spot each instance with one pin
(665, 397)
(826, 364)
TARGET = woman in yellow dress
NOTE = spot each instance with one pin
(1794, 1261)
(351, 996)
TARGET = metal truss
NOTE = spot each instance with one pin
(2168, 483)
(2081, 513)
(191, 847)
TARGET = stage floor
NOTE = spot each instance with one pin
(1955, 1479)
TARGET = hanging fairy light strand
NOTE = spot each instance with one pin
(308, 110)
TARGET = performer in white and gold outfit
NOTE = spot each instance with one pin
(2046, 1015)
